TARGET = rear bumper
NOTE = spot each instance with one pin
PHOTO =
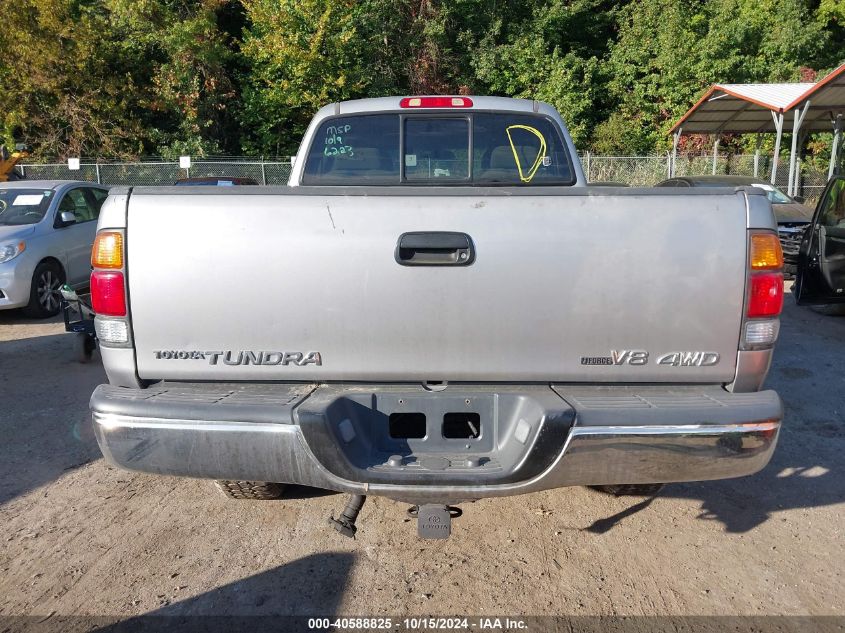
(574, 436)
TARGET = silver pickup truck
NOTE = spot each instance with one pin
(436, 309)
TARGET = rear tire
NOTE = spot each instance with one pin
(45, 291)
(630, 490)
(258, 490)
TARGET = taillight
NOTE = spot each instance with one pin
(766, 252)
(108, 290)
(108, 250)
(765, 291)
(765, 297)
(436, 102)
(108, 293)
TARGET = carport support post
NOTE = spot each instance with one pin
(834, 149)
(715, 153)
(778, 119)
(676, 139)
(802, 137)
(796, 127)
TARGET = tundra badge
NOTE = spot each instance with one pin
(244, 357)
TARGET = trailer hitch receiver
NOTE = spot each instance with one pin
(434, 521)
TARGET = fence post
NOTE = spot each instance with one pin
(715, 153)
(589, 164)
(668, 164)
(676, 139)
(833, 168)
(263, 172)
(798, 181)
(97, 169)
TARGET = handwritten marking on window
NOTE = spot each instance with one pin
(538, 160)
(334, 145)
(338, 150)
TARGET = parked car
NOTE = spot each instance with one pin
(212, 181)
(47, 228)
(821, 258)
(792, 215)
(437, 309)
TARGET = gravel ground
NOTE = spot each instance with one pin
(81, 538)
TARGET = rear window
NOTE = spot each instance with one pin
(481, 148)
(355, 150)
(436, 150)
(513, 150)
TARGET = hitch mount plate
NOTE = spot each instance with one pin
(434, 521)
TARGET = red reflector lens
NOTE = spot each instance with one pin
(766, 297)
(108, 293)
(436, 102)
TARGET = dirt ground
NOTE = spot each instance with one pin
(79, 537)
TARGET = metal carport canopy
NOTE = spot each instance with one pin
(741, 108)
(761, 108)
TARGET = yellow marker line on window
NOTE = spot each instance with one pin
(540, 155)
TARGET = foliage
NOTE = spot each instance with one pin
(668, 53)
(131, 77)
(115, 77)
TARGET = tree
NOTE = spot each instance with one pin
(192, 93)
(668, 53)
(115, 77)
(552, 54)
(59, 94)
(130, 77)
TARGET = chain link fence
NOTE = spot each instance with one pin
(646, 171)
(264, 172)
(640, 171)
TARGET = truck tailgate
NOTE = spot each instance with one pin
(223, 284)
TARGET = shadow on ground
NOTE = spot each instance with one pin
(310, 586)
(45, 429)
(807, 469)
(17, 317)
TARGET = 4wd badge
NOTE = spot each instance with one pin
(689, 359)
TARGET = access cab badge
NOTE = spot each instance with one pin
(301, 359)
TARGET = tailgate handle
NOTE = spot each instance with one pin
(435, 248)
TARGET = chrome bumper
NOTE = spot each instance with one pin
(616, 435)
